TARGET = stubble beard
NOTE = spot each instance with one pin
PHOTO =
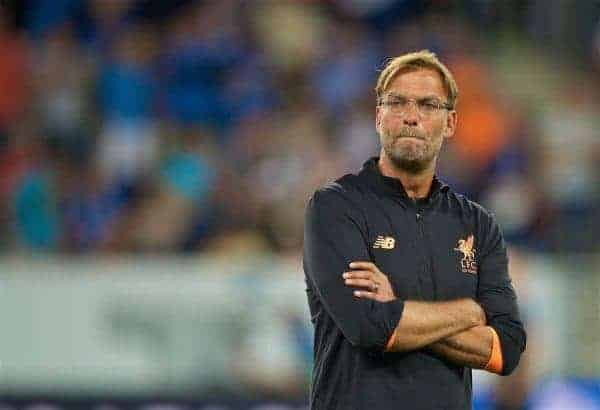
(410, 158)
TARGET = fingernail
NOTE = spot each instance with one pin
(352, 264)
(356, 293)
(345, 275)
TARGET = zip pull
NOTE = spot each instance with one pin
(418, 216)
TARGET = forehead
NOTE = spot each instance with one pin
(417, 83)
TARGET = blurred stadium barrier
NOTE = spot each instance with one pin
(210, 328)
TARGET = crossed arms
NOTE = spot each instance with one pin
(454, 330)
(459, 331)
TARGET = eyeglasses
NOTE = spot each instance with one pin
(425, 106)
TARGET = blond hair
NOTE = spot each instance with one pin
(414, 61)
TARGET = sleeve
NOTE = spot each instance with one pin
(498, 299)
(334, 236)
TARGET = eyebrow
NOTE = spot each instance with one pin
(426, 97)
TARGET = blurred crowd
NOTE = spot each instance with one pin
(178, 126)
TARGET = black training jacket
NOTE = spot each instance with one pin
(443, 247)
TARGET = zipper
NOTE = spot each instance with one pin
(425, 277)
(419, 216)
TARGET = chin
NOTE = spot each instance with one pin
(411, 166)
(408, 162)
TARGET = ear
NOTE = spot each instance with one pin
(377, 117)
(451, 122)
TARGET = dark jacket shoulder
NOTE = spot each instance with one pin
(346, 191)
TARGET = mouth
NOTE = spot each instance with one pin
(410, 138)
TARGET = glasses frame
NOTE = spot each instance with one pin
(424, 106)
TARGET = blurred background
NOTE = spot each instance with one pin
(156, 158)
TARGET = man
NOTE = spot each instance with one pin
(407, 281)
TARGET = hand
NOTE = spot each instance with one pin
(375, 283)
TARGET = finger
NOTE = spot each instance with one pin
(358, 274)
(363, 265)
(363, 283)
(370, 266)
(364, 294)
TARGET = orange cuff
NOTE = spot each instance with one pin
(390, 342)
(495, 363)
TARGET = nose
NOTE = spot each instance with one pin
(410, 117)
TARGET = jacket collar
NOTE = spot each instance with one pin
(393, 186)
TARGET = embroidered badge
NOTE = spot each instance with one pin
(466, 247)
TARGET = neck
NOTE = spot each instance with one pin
(416, 185)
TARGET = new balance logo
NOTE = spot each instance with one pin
(384, 242)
